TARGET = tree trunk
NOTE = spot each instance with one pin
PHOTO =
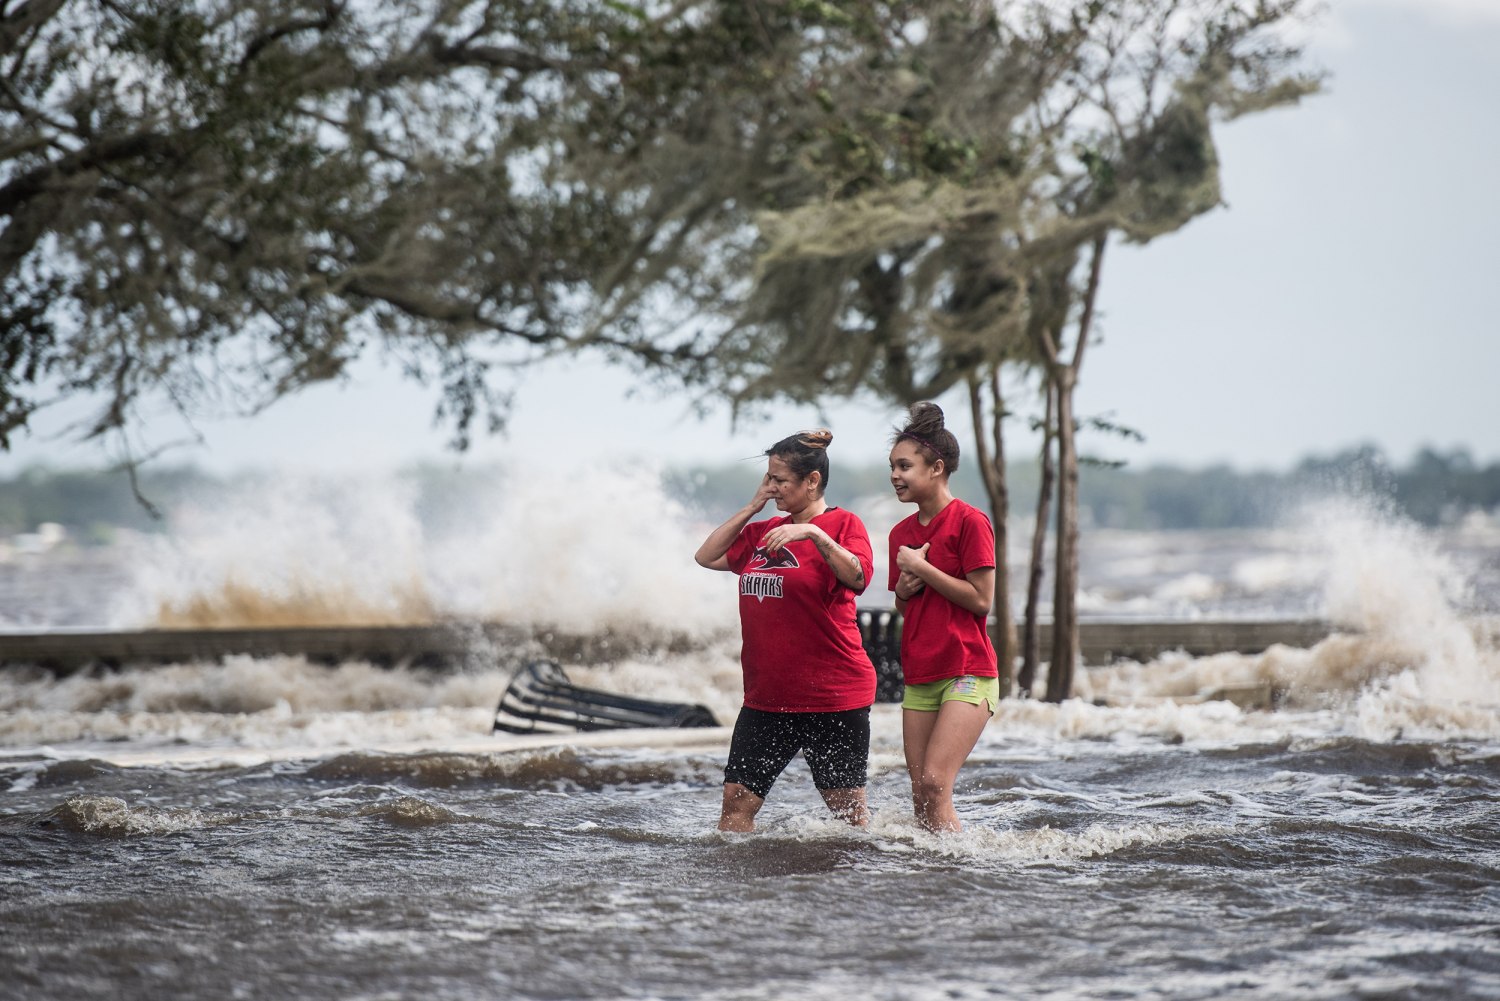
(1065, 591)
(1031, 642)
(1065, 580)
(992, 472)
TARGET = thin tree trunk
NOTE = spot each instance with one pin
(1005, 618)
(992, 472)
(1065, 579)
(1065, 591)
(1031, 642)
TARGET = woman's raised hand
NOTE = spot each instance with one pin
(763, 493)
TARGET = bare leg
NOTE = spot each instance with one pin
(936, 748)
(848, 805)
(916, 731)
(740, 807)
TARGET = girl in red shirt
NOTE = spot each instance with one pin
(942, 568)
(809, 684)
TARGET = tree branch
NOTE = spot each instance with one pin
(1090, 296)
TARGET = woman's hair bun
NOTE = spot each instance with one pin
(805, 453)
(820, 438)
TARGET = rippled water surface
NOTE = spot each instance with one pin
(1301, 866)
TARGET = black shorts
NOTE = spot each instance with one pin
(835, 745)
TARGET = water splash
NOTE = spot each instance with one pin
(110, 816)
(1384, 573)
(286, 551)
(1405, 661)
(594, 550)
(1430, 674)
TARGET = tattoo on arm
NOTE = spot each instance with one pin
(831, 550)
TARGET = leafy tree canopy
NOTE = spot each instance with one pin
(217, 202)
(890, 196)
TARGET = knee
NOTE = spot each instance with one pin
(848, 805)
(738, 797)
(740, 807)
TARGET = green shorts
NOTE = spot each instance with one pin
(929, 696)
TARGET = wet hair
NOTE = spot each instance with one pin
(924, 429)
(805, 453)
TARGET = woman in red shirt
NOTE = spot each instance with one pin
(942, 568)
(809, 684)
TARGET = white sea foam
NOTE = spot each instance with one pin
(1405, 662)
(983, 842)
(1161, 720)
(1430, 675)
(248, 685)
(113, 816)
(109, 731)
(592, 550)
(893, 830)
(601, 549)
(270, 701)
(1192, 587)
(1275, 572)
(290, 550)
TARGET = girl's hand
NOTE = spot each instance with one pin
(908, 585)
(908, 560)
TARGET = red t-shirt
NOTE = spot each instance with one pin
(938, 639)
(801, 649)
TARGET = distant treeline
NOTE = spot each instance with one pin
(1435, 487)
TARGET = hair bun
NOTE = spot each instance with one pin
(821, 438)
(926, 416)
(924, 426)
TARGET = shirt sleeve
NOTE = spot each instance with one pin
(976, 542)
(856, 540)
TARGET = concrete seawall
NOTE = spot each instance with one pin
(65, 652)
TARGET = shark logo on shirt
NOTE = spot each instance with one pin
(763, 560)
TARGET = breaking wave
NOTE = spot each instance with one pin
(1404, 663)
(596, 550)
(110, 816)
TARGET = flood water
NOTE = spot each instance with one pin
(273, 828)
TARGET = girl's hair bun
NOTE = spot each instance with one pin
(924, 428)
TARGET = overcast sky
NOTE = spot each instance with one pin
(1344, 296)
